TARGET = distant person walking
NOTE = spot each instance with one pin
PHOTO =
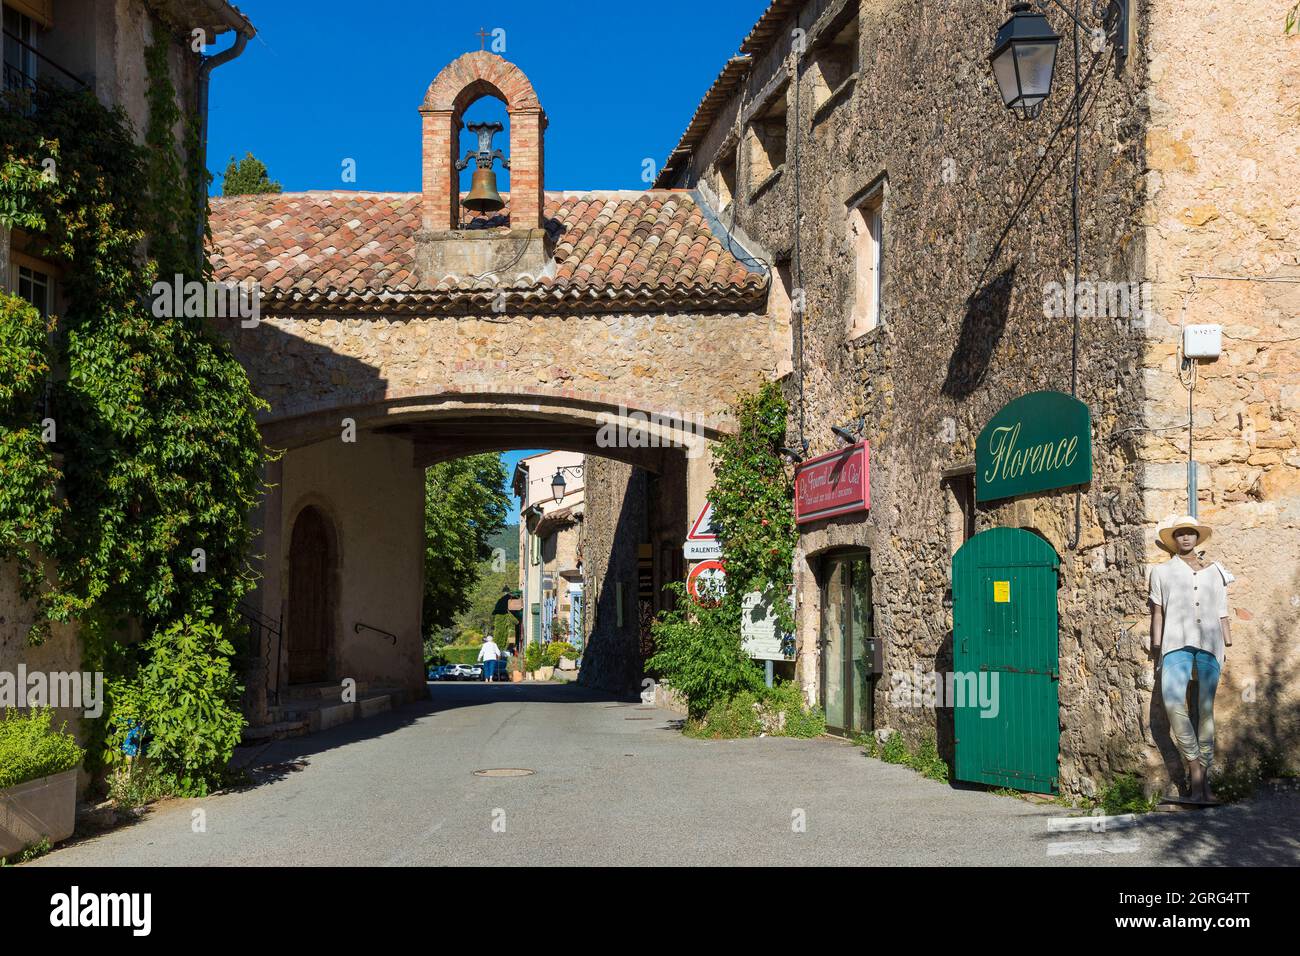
(488, 655)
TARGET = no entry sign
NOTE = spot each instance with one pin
(707, 582)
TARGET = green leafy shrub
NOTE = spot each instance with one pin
(503, 629)
(926, 760)
(699, 653)
(894, 749)
(185, 697)
(734, 717)
(753, 500)
(800, 719)
(30, 748)
(136, 785)
(1124, 794)
(533, 657)
(557, 649)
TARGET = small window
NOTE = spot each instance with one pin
(766, 138)
(19, 51)
(781, 309)
(866, 239)
(961, 509)
(725, 179)
(34, 286)
(833, 64)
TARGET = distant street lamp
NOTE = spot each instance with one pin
(558, 483)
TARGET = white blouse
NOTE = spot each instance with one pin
(1193, 602)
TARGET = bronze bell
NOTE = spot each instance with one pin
(483, 195)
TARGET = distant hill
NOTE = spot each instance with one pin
(507, 539)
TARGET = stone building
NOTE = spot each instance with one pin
(101, 47)
(550, 554)
(397, 330)
(919, 236)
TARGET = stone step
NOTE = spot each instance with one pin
(370, 706)
(276, 731)
(320, 715)
(324, 690)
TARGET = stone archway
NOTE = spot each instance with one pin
(313, 562)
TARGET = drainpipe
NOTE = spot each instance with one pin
(206, 66)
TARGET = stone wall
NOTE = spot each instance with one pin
(1222, 232)
(373, 499)
(976, 225)
(614, 525)
(661, 363)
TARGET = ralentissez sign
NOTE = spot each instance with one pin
(1040, 441)
(834, 484)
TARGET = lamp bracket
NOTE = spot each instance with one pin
(1110, 22)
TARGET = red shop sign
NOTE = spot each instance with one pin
(834, 484)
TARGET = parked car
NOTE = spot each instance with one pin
(461, 672)
(439, 672)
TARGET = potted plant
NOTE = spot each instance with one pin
(533, 660)
(38, 781)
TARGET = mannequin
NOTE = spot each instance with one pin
(1190, 635)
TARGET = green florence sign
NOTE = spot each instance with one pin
(1040, 441)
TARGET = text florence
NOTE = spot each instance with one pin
(1011, 462)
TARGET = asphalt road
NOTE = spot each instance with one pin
(614, 783)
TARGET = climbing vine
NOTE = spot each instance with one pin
(143, 497)
(753, 501)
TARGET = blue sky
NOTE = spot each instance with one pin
(333, 80)
(324, 82)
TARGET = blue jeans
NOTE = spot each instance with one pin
(1176, 672)
(489, 670)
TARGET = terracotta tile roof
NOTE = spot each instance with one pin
(356, 251)
(761, 38)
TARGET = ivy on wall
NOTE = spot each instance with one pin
(753, 501)
(144, 513)
(698, 649)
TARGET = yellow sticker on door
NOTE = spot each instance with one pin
(1001, 592)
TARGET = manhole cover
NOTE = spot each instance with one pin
(504, 772)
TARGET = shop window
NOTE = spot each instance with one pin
(766, 139)
(866, 241)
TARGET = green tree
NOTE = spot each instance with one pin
(465, 504)
(247, 177)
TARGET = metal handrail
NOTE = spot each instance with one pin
(270, 627)
(31, 81)
(356, 629)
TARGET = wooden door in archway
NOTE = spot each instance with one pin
(311, 574)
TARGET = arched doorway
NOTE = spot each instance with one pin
(311, 604)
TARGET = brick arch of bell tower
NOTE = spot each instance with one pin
(461, 82)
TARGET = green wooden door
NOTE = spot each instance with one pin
(1006, 661)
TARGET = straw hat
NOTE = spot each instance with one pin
(1166, 532)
